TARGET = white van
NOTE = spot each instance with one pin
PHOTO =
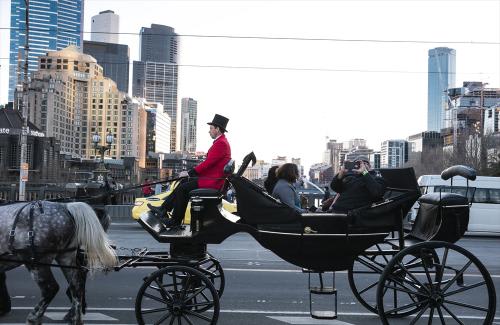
(485, 210)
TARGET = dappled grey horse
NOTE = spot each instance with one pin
(38, 233)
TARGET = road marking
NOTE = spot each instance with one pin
(241, 311)
(307, 321)
(86, 317)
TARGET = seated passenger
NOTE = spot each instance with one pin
(284, 190)
(271, 179)
(357, 185)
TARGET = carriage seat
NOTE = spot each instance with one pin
(441, 216)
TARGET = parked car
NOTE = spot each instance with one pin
(141, 204)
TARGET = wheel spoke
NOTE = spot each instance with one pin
(164, 318)
(440, 271)
(420, 313)
(150, 296)
(431, 315)
(195, 293)
(461, 304)
(371, 265)
(164, 293)
(187, 319)
(200, 316)
(441, 315)
(200, 304)
(156, 310)
(413, 277)
(447, 286)
(172, 321)
(407, 306)
(472, 286)
(368, 288)
(186, 286)
(406, 291)
(453, 315)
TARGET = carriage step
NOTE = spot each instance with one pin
(319, 295)
(323, 314)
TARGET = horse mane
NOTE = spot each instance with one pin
(91, 237)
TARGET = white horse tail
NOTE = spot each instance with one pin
(91, 237)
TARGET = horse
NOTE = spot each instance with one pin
(38, 233)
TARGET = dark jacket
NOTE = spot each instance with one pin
(357, 190)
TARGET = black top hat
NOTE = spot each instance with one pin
(219, 121)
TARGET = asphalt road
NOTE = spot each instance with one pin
(260, 287)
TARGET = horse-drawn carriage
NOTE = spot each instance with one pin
(420, 274)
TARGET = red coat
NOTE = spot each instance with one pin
(212, 167)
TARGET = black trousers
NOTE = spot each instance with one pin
(179, 199)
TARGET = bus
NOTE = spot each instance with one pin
(484, 193)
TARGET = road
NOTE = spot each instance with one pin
(260, 287)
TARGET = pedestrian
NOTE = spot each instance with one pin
(147, 191)
(208, 174)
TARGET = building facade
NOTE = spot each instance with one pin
(70, 100)
(441, 76)
(393, 153)
(113, 58)
(155, 76)
(158, 130)
(105, 27)
(189, 114)
(53, 25)
(133, 126)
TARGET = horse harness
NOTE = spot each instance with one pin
(31, 234)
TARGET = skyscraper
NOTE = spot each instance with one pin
(54, 24)
(105, 27)
(189, 112)
(441, 76)
(155, 75)
(114, 59)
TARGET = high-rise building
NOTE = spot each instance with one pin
(53, 25)
(114, 59)
(70, 99)
(157, 129)
(441, 76)
(158, 44)
(105, 27)
(133, 126)
(394, 153)
(155, 76)
(189, 111)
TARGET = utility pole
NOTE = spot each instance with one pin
(23, 166)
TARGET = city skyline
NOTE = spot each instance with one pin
(379, 88)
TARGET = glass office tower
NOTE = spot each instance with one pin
(53, 25)
(441, 76)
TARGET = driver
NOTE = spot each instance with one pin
(357, 187)
(208, 174)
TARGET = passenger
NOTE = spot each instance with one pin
(208, 174)
(356, 187)
(284, 190)
(271, 179)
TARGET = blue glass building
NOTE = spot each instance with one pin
(54, 24)
(441, 76)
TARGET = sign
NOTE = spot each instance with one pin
(24, 172)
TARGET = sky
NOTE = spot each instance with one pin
(342, 69)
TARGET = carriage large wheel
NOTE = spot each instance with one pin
(442, 289)
(212, 269)
(177, 295)
(364, 276)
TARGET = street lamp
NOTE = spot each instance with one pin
(101, 172)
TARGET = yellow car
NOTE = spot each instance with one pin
(141, 204)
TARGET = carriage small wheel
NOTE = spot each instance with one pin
(177, 295)
(212, 269)
(441, 282)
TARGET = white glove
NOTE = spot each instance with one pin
(183, 174)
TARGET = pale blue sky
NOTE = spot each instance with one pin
(283, 112)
